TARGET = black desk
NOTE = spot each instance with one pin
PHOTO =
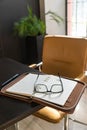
(12, 110)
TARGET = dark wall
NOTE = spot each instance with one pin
(11, 11)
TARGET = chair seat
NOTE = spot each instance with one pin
(50, 114)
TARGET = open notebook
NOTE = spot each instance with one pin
(25, 87)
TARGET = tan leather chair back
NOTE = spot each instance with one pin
(64, 55)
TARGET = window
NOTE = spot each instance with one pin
(77, 17)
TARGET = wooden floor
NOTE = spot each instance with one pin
(80, 114)
(34, 123)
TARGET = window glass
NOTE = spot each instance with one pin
(77, 17)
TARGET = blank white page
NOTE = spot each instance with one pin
(26, 86)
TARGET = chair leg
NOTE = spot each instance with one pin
(66, 122)
(77, 121)
(13, 127)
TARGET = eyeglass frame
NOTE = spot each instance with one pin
(47, 87)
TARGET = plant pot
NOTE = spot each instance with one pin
(33, 49)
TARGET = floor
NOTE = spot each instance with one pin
(80, 115)
(34, 123)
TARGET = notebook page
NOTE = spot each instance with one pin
(26, 87)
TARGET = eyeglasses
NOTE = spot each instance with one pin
(43, 88)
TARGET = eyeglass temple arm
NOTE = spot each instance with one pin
(60, 81)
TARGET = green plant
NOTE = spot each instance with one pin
(29, 25)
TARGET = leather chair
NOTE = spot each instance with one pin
(67, 56)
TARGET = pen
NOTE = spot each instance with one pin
(9, 80)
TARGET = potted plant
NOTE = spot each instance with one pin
(32, 29)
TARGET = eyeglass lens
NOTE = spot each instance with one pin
(55, 88)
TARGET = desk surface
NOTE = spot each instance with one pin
(12, 110)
